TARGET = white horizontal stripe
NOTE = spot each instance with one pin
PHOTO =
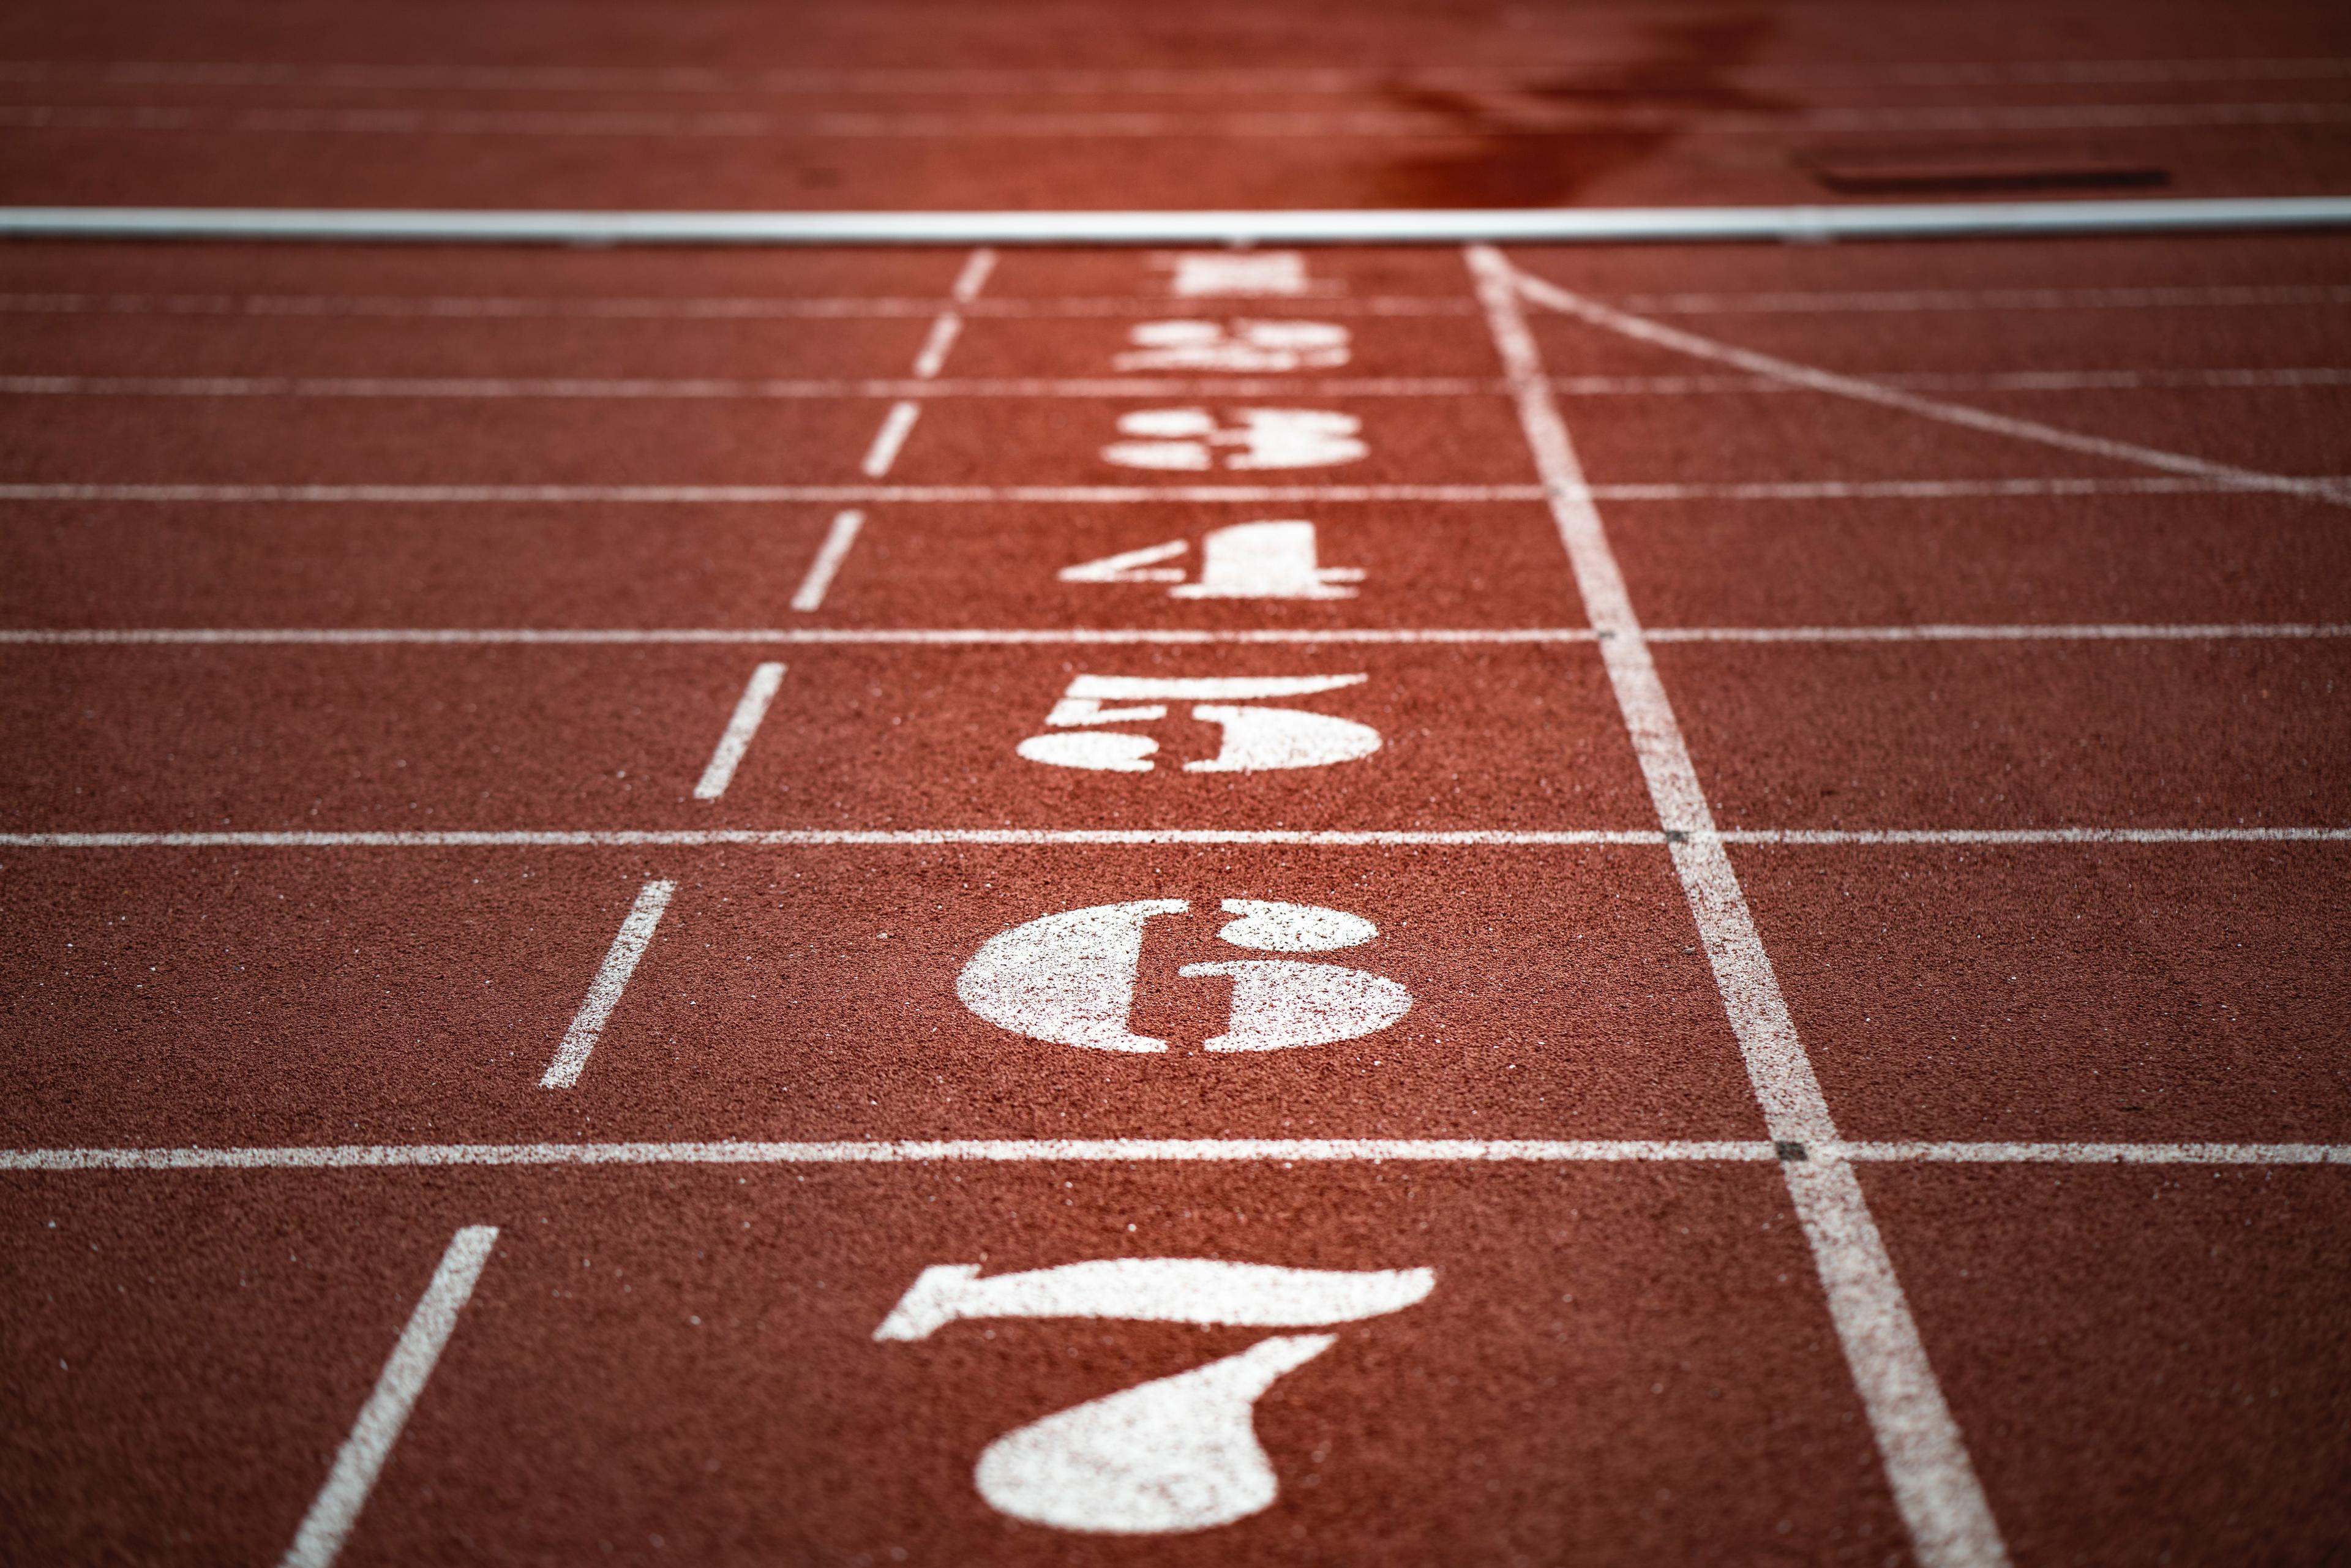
(848, 636)
(682, 307)
(1909, 300)
(1126, 495)
(1343, 837)
(1252, 1151)
(1932, 836)
(819, 837)
(949, 637)
(654, 389)
(640, 389)
(2102, 1153)
(1407, 227)
(1947, 632)
(764, 494)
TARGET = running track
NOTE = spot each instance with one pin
(1786, 1005)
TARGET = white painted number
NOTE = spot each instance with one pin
(1207, 273)
(1256, 739)
(1247, 561)
(1190, 439)
(1246, 347)
(1069, 978)
(1174, 1454)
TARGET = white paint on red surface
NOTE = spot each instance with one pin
(1070, 978)
(1202, 274)
(1240, 347)
(1175, 1453)
(1275, 559)
(1190, 440)
(1254, 738)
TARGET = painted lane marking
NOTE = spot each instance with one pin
(1217, 273)
(976, 268)
(980, 636)
(1200, 1290)
(687, 307)
(1467, 838)
(899, 423)
(621, 959)
(1242, 347)
(362, 1458)
(1213, 1151)
(643, 389)
(1069, 978)
(1927, 1464)
(838, 538)
(896, 425)
(2257, 296)
(1915, 300)
(1811, 379)
(1177, 1454)
(1251, 738)
(1191, 440)
(765, 681)
(1126, 494)
(1245, 561)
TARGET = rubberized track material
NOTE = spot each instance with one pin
(1614, 903)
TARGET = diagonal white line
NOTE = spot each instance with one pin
(1927, 1464)
(636, 934)
(758, 692)
(838, 538)
(1815, 380)
(337, 1507)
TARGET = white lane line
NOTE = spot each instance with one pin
(337, 1507)
(922, 384)
(636, 934)
(990, 637)
(932, 356)
(689, 307)
(363, 1156)
(976, 267)
(1863, 837)
(823, 838)
(1465, 837)
(1926, 1464)
(760, 691)
(1946, 632)
(943, 337)
(858, 1151)
(1131, 495)
(1914, 300)
(895, 427)
(1811, 379)
(940, 637)
(838, 538)
(1450, 225)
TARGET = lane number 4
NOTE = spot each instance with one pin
(1247, 561)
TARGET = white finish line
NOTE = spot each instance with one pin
(1540, 226)
(1212, 1151)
